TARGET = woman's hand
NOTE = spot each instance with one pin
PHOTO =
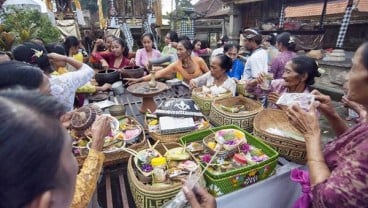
(104, 64)
(261, 78)
(133, 80)
(199, 198)
(209, 51)
(325, 103)
(132, 62)
(66, 118)
(355, 107)
(100, 129)
(192, 84)
(104, 87)
(99, 42)
(306, 122)
(273, 97)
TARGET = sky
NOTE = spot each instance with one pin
(166, 5)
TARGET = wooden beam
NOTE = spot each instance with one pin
(323, 14)
(108, 191)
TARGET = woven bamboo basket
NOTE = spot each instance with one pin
(243, 119)
(204, 103)
(292, 149)
(147, 196)
(122, 156)
(167, 138)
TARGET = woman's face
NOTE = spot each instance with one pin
(232, 53)
(45, 86)
(182, 52)
(117, 49)
(197, 46)
(73, 50)
(358, 80)
(167, 39)
(147, 43)
(216, 70)
(291, 77)
(67, 173)
(109, 43)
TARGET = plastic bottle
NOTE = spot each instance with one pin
(159, 169)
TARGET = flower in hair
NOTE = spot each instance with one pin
(37, 53)
(291, 40)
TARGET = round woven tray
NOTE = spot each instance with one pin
(121, 156)
(204, 103)
(147, 195)
(243, 119)
(167, 138)
(289, 148)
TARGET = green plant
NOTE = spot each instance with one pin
(28, 24)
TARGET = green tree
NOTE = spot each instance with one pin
(28, 24)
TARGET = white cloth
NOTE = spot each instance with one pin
(208, 80)
(64, 86)
(256, 63)
(217, 51)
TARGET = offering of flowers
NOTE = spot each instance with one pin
(230, 138)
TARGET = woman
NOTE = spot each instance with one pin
(217, 77)
(187, 66)
(169, 51)
(237, 68)
(117, 58)
(101, 46)
(337, 173)
(148, 51)
(299, 74)
(71, 46)
(64, 86)
(286, 45)
(45, 166)
(197, 51)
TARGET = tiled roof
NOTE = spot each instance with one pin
(315, 9)
(207, 7)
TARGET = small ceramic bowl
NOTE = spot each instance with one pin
(117, 110)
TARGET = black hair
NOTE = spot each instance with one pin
(272, 39)
(173, 36)
(306, 65)
(195, 41)
(15, 73)
(123, 45)
(229, 46)
(187, 44)
(55, 48)
(365, 55)
(70, 41)
(32, 140)
(150, 36)
(225, 62)
(224, 39)
(183, 37)
(34, 54)
(286, 40)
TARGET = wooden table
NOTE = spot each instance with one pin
(113, 188)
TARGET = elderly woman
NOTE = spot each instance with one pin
(337, 172)
(217, 79)
(187, 66)
(42, 150)
(299, 74)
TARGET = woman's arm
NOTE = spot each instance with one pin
(202, 65)
(138, 57)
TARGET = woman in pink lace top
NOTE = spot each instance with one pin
(148, 51)
(338, 172)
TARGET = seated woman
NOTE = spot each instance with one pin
(237, 68)
(101, 46)
(217, 79)
(45, 166)
(299, 74)
(117, 58)
(198, 51)
(337, 172)
(187, 66)
(148, 51)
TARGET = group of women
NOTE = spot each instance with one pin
(33, 122)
